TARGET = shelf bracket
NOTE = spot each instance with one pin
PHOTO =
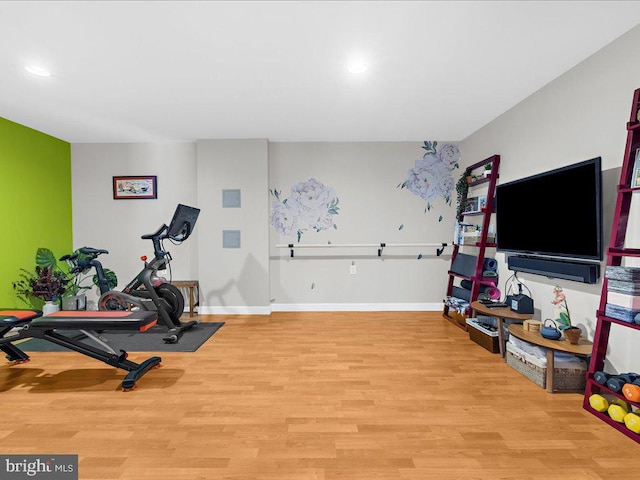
(440, 250)
(291, 249)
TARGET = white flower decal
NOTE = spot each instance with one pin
(431, 176)
(310, 205)
(285, 219)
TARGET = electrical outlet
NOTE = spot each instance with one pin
(352, 270)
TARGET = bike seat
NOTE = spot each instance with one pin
(91, 251)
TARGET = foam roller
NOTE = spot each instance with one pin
(467, 284)
(632, 422)
(598, 403)
(493, 293)
(490, 264)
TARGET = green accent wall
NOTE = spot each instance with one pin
(35, 201)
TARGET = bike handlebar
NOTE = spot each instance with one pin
(159, 234)
(78, 260)
(156, 238)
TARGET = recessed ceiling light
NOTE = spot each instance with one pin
(358, 67)
(41, 72)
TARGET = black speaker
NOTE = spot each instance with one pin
(576, 271)
(521, 304)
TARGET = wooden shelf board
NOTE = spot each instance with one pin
(618, 426)
(601, 315)
(624, 252)
(627, 189)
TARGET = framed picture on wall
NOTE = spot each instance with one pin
(635, 175)
(137, 187)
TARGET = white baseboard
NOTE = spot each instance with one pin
(230, 310)
(321, 307)
(356, 307)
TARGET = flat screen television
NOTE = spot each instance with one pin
(553, 214)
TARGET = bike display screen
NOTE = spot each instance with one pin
(183, 222)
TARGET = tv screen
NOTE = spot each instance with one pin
(557, 213)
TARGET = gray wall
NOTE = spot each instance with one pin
(580, 115)
(258, 276)
(233, 280)
(116, 225)
(372, 209)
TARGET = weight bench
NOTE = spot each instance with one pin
(10, 319)
(31, 325)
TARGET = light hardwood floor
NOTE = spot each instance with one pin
(311, 396)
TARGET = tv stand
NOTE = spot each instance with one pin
(553, 268)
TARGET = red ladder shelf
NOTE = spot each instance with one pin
(476, 279)
(615, 254)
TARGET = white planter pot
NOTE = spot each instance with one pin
(49, 308)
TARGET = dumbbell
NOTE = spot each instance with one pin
(618, 409)
(632, 391)
(632, 421)
(598, 403)
(601, 377)
(615, 383)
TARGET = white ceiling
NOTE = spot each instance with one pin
(180, 71)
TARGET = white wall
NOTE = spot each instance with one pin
(372, 209)
(581, 115)
(116, 225)
(233, 280)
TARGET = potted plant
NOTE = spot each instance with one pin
(44, 287)
(563, 317)
(462, 188)
(487, 170)
(80, 265)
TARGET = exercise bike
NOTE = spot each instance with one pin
(147, 290)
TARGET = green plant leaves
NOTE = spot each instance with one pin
(45, 258)
(112, 279)
(430, 148)
(564, 319)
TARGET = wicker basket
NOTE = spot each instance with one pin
(564, 378)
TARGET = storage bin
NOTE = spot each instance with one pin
(483, 336)
(563, 378)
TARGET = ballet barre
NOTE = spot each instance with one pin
(380, 246)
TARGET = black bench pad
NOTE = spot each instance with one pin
(141, 320)
(14, 317)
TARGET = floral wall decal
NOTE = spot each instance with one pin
(431, 177)
(311, 205)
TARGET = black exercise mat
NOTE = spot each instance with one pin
(149, 341)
